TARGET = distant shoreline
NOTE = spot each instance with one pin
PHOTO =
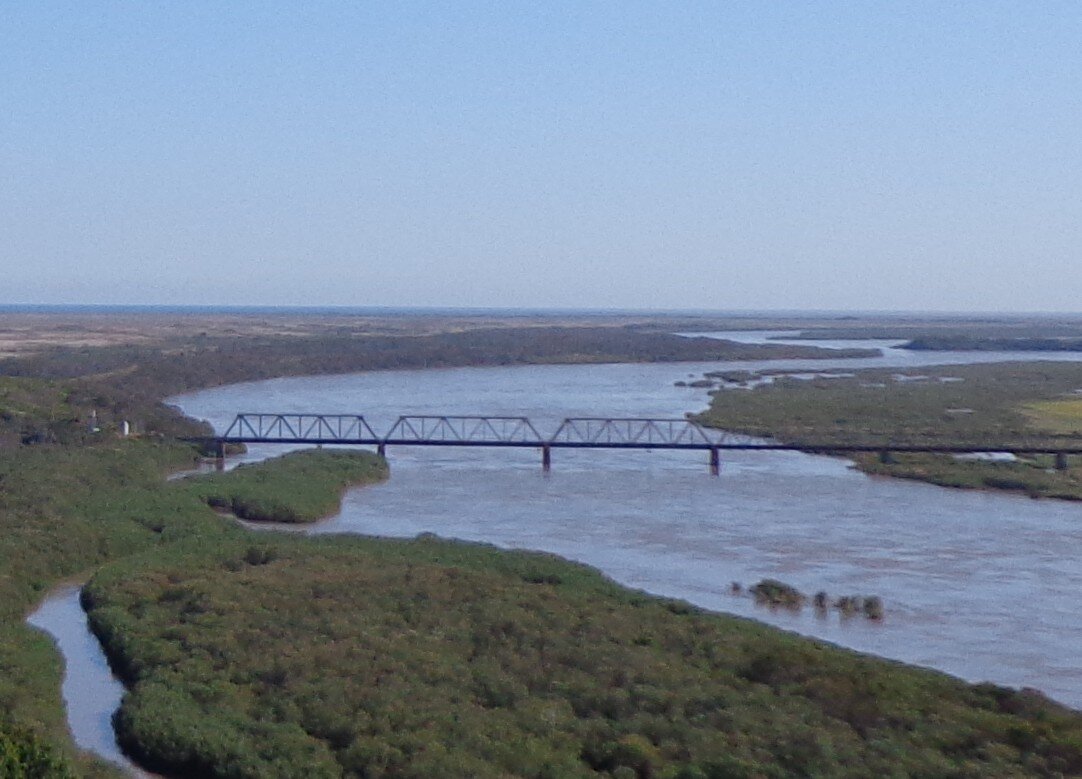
(502, 312)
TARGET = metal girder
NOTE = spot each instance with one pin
(583, 432)
(463, 429)
(632, 432)
(301, 427)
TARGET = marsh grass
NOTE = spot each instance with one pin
(1056, 416)
(1007, 403)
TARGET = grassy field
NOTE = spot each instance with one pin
(1016, 403)
(378, 658)
(1063, 417)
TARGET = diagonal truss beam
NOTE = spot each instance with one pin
(584, 432)
(300, 428)
(464, 430)
(635, 432)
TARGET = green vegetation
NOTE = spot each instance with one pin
(1063, 417)
(73, 496)
(299, 487)
(964, 343)
(1033, 477)
(67, 509)
(1008, 403)
(36, 411)
(775, 593)
(366, 657)
(25, 755)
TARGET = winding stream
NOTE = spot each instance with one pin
(979, 585)
(91, 692)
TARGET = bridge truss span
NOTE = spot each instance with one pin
(574, 432)
(300, 428)
(464, 431)
(635, 432)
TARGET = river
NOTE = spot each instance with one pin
(976, 584)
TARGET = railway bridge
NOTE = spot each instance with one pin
(572, 433)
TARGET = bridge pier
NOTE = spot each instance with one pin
(715, 462)
(546, 458)
(1061, 461)
(219, 455)
(381, 449)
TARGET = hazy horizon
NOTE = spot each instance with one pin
(787, 157)
(495, 311)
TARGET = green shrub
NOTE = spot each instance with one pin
(429, 658)
(24, 755)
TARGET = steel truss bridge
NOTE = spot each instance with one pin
(572, 433)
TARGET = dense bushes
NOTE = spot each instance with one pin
(24, 755)
(300, 487)
(429, 658)
(68, 509)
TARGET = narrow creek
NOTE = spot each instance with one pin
(90, 690)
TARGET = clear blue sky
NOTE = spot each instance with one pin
(753, 155)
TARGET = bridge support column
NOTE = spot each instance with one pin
(219, 455)
(1061, 461)
(546, 458)
(381, 449)
(715, 462)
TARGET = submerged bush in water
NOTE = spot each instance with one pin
(776, 593)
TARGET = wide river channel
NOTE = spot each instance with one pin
(983, 586)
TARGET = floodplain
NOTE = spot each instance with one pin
(76, 498)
